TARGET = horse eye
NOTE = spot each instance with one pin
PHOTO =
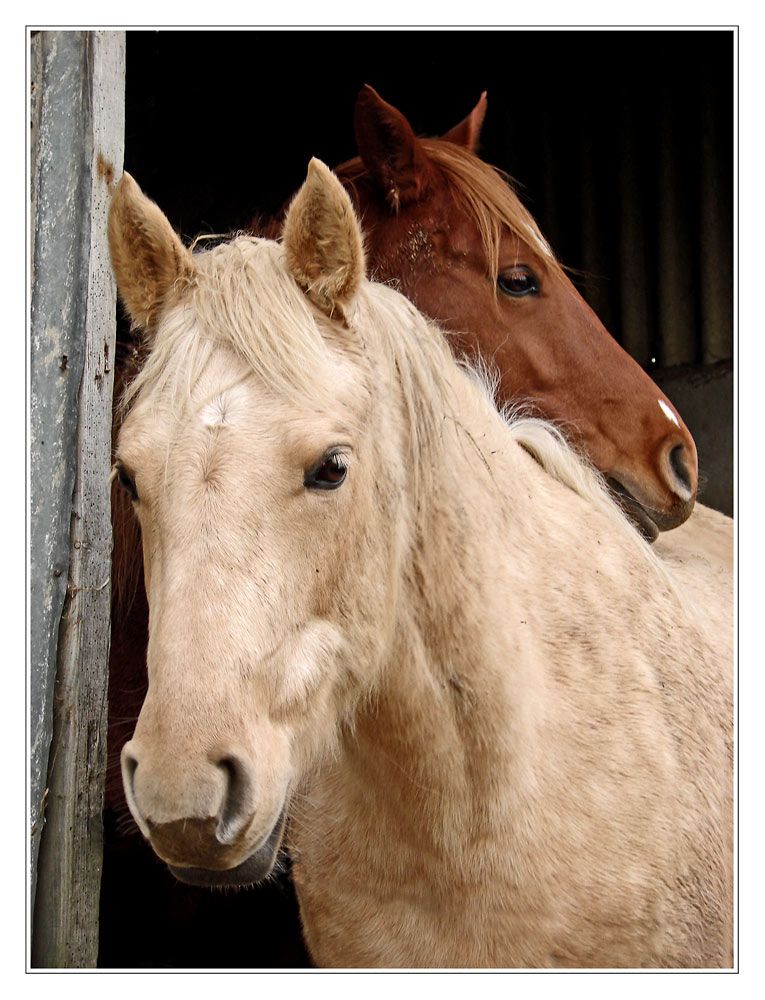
(127, 483)
(328, 474)
(518, 281)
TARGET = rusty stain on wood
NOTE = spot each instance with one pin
(105, 170)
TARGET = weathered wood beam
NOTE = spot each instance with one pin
(78, 157)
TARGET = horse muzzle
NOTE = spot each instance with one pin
(257, 867)
(647, 519)
(206, 821)
(668, 501)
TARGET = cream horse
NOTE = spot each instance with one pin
(411, 639)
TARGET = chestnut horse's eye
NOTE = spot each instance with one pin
(127, 483)
(518, 281)
(328, 474)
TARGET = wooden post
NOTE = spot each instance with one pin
(77, 157)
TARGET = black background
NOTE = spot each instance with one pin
(594, 125)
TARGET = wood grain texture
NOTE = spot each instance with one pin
(70, 858)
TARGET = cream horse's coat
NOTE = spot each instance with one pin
(706, 538)
(500, 736)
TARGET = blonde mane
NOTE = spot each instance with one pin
(549, 447)
(242, 296)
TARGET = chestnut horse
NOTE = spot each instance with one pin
(450, 233)
(454, 237)
(416, 636)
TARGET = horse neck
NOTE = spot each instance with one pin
(493, 581)
(442, 718)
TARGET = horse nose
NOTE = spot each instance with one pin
(679, 470)
(192, 817)
(676, 474)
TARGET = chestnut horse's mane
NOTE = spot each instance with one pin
(485, 193)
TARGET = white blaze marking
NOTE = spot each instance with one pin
(219, 411)
(668, 413)
(214, 414)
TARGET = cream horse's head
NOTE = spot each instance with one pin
(269, 489)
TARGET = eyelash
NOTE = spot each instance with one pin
(328, 474)
(531, 285)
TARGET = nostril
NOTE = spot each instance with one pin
(236, 809)
(680, 468)
(129, 765)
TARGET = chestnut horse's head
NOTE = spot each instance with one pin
(450, 231)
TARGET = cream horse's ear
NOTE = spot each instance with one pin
(322, 240)
(150, 263)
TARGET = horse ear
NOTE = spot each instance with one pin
(322, 240)
(150, 262)
(390, 150)
(468, 132)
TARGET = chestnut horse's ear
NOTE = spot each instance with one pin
(322, 241)
(150, 262)
(390, 150)
(468, 132)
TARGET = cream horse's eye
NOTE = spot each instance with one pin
(127, 483)
(328, 473)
